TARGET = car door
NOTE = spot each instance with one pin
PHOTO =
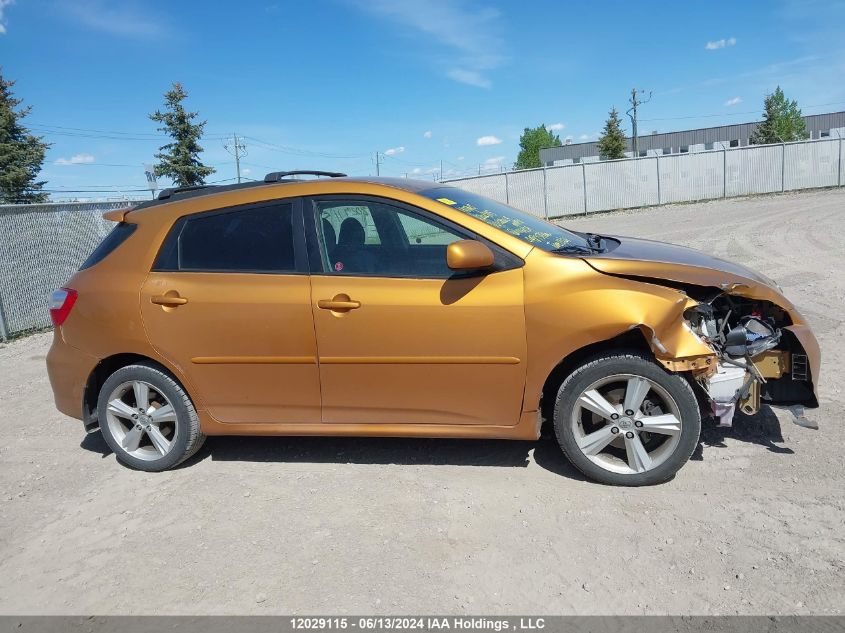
(401, 338)
(228, 303)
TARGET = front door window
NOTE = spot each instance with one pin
(377, 239)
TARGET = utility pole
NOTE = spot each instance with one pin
(236, 149)
(632, 113)
(378, 159)
(441, 170)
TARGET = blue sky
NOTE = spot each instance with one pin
(327, 83)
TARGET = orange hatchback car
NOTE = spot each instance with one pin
(393, 307)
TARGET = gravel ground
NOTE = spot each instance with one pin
(752, 525)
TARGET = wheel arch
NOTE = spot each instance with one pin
(105, 368)
(633, 339)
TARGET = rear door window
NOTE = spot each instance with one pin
(258, 239)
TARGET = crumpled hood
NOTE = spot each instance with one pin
(658, 260)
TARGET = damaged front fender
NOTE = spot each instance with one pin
(573, 307)
(675, 345)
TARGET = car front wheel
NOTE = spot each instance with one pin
(147, 418)
(621, 419)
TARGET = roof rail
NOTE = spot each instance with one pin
(277, 176)
(166, 193)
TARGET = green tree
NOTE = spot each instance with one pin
(179, 160)
(612, 144)
(782, 121)
(21, 153)
(531, 142)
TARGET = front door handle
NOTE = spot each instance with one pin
(339, 303)
(168, 300)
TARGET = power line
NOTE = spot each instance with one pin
(79, 132)
(59, 130)
(115, 188)
(285, 149)
(95, 130)
(92, 130)
(406, 162)
(95, 165)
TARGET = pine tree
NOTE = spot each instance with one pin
(531, 142)
(782, 121)
(21, 153)
(612, 144)
(179, 160)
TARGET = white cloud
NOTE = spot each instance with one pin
(246, 171)
(3, 5)
(493, 164)
(470, 33)
(556, 127)
(76, 159)
(717, 44)
(122, 21)
(416, 170)
(584, 137)
(394, 150)
(488, 140)
(734, 101)
(469, 77)
(427, 134)
(460, 157)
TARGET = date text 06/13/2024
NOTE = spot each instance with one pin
(410, 623)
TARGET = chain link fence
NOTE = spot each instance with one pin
(41, 246)
(587, 187)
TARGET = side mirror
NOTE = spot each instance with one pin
(468, 255)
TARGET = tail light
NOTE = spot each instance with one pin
(61, 303)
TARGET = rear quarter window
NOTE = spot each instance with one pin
(118, 236)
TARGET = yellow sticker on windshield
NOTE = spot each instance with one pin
(446, 201)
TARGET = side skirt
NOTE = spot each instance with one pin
(528, 428)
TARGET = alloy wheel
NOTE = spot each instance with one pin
(142, 420)
(626, 424)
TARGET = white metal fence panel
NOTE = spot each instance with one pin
(621, 184)
(606, 185)
(686, 177)
(494, 186)
(840, 167)
(753, 170)
(813, 164)
(526, 191)
(41, 246)
(565, 190)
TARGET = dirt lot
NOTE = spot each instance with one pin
(753, 524)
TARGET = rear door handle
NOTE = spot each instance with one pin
(338, 304)
(170, 301)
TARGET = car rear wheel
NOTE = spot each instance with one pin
(147, 419)
(621, 419)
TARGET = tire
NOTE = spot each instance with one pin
(162, 437)
(613, 454)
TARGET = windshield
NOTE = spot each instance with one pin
(525, 226)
